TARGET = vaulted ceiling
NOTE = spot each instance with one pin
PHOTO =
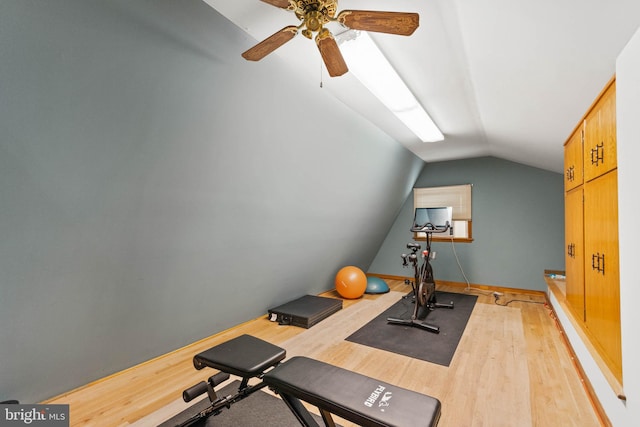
(504, 78)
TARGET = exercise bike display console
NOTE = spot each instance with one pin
(428, 221)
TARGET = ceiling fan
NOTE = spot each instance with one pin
(314, 14)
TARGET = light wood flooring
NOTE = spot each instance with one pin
(511, 368)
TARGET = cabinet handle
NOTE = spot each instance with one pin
(570, 173)
(597, 154)
(597, 262)
(571, 250)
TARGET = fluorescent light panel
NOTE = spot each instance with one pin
(371, 67)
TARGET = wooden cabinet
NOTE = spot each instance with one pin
(573, 153)
(600, 152)
(591, 229)
(574, 252)
(601, 273)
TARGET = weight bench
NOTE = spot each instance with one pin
(357, 398)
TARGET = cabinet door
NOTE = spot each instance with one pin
(608, 128)
(574, 251)
(600, 136)
(573, 153)
(602, 277)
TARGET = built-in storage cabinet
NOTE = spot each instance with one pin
(573, 153)
(601, 273)
(591, 230)
(600, 152)
(574, 251)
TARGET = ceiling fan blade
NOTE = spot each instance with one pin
(331, 54)
(270, 44)
(401, 23)
(284, 4)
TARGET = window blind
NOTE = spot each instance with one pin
(456, 196)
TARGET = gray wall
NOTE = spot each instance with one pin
(518, 225)
(155, 188)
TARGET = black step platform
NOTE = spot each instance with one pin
(305, 311)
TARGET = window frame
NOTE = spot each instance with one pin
(457, 196)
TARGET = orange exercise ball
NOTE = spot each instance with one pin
(351, 282)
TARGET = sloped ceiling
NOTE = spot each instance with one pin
(505, 78)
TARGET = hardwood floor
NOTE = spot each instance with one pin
(511, 368)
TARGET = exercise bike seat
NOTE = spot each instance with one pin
(244, 356)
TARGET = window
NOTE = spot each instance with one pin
(456, 196)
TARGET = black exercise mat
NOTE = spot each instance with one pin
(260, 409)
(415, 342)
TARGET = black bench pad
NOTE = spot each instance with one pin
(352, 396)
(244, 356)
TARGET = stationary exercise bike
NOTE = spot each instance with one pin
(428, 221)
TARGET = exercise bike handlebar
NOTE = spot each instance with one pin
(430, 228)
